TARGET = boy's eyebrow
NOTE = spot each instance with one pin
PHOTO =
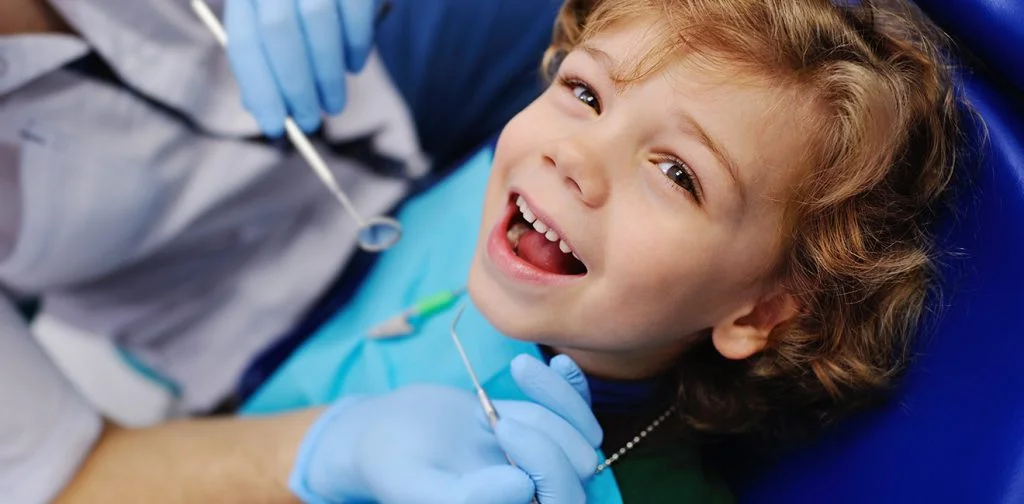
(724, 158)
(599, 55)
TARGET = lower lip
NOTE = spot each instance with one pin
(500, 253)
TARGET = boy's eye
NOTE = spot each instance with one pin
(583, 93)
(680, 175)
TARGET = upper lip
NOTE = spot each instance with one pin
(550, 222)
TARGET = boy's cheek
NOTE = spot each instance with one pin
(531, 126)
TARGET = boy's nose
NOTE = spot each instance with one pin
(583, 168)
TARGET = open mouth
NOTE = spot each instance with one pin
(535, 242)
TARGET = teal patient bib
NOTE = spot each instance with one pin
(440, 232)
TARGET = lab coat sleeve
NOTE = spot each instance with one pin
(46, 428)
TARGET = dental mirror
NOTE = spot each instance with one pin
(379, 233)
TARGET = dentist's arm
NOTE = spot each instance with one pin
(193, 461)
(18, 17)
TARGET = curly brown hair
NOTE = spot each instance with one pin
(858, 254)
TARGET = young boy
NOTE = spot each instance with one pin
(721, 210)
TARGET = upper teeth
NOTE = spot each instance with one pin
(541, 227)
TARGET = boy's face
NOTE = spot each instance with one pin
(669, 191)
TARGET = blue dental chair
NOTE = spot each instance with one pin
(955, 431)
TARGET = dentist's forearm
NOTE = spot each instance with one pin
(30, 16)
(224, 460)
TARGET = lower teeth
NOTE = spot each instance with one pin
(515, 233)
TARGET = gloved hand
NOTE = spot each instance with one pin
(432, 445)
(290, 56)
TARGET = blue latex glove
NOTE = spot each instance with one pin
(432, 445)
(290, 56)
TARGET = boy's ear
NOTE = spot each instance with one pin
(745, 332)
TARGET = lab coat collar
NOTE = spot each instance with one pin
(23, 58)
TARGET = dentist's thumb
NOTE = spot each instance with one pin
(561, 388)
(565, 366)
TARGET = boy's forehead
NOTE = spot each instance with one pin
(624, 47)
(633, 50)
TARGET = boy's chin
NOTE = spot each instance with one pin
(496, 311)
(510, 318)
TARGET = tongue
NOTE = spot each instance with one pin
(535, 249)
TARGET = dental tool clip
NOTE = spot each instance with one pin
(406, 322)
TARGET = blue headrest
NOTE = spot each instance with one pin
(993, 30)
(955, 431)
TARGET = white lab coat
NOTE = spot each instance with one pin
(190, 247)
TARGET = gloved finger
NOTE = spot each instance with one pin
(540, 457)
(500, 484)
(322, 25)
(572, 373)
(497, 485)
(548, 388)
(357, 17)
(576, 448)
(284, 45)
(260, 94)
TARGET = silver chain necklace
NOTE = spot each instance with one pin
(636, 440)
